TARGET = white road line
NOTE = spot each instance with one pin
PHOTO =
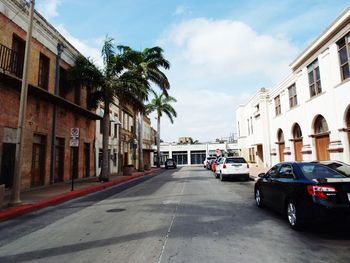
(171, 225)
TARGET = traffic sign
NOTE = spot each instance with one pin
(74, 142)
(74, 133)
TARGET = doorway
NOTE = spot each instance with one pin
(8, 164)
(59, 159)
(86, 160)
(281, 144)
(38, 161)
(321, 138)
(298, 142)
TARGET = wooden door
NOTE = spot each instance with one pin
(322, 143)
(298, 144)
(8, 164)
(38, 163)
(281, 150)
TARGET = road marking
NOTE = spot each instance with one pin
(171, 225)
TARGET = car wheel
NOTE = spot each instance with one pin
(292, 215)
(222, 178)
(216, 175)
(258, 198)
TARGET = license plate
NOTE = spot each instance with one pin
(349, 197)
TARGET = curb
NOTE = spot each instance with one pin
(61, 198)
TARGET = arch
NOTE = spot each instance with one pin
(347, 117)
(297, 142)
(281, 144)
(321, 133)
(320, 125)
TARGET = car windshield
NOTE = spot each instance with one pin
(235, 160)
(319, 171)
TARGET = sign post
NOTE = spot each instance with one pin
(74, 143)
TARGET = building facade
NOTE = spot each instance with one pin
(113, 139)
(192, 154)
(307, 115)
(70, 103)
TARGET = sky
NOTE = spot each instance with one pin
(221, 52)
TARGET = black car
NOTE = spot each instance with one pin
(170, 163)
(304, 192)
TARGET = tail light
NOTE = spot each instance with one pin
(224, 166)
(320, 191)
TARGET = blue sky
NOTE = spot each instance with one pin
(221, 52)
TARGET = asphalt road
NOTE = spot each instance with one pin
(183, 215)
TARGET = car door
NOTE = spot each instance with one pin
(219, 165)
(282, 185)
(267, 184)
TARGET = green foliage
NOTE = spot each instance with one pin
(162, 104)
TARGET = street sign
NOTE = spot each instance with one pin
(74, 133)
(74, 142)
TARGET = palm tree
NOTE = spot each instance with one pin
(161, 104)
(105, 85)
(147, 64)
(191, 141)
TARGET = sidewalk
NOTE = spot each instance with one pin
(58, 193)
(255, 171)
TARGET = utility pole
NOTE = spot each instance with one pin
(60, 48)
(16, 188)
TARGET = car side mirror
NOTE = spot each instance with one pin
(262, 175)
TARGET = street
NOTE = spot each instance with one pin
(182, 215)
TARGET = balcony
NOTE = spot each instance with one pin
(10, 61)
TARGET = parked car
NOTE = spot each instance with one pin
(207, 159)
(233, 167)
(213, 165)
(170, 163)
(304, 192)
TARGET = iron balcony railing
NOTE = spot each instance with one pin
(11, 61)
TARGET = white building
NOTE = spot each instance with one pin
(188, 154)
(307, 115)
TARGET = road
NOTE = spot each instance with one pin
(183, 215)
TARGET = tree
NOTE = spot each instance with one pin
(191, 141)
(161, 104)
(113, 81)
(148, 64)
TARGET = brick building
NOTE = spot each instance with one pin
(70, 103)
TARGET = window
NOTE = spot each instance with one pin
(18, 46)
(44, 66)
(321, 125)
(115, 130)
(277, 105)
(286, 171)
(343, 51)
(292, 91)
(63, 83)
(101, 126)
(77, 95)
(273, 173)
(314, 78)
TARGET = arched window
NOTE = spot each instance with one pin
(321, 125)
(280, 136)
(297, 132)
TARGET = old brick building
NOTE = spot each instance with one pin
(70, 103)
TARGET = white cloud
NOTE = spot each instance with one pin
(182, 10)
(217, 64)
(87, 48)
(48, 8)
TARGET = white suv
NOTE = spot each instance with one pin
(235, 167)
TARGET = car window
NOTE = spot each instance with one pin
(319, 171)
(273, 172)
(211, 158)
(342, 168)
(235, 160)
(286, 171)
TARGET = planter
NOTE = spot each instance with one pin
(128, 169)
